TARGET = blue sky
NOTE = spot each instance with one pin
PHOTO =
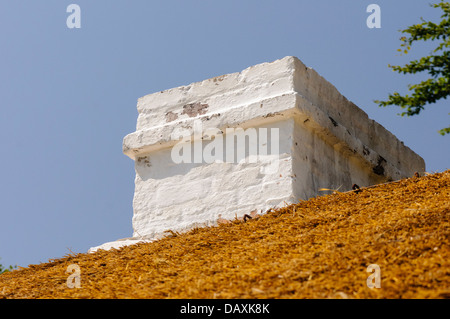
(68, 96)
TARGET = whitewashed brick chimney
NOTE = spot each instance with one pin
(324, 141)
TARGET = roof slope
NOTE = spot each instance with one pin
(318, 248)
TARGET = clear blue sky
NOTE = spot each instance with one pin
(68, 96)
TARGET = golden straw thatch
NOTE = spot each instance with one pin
(319, 248)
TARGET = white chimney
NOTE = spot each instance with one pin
(271, 135)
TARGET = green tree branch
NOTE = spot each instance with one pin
(437, 66)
